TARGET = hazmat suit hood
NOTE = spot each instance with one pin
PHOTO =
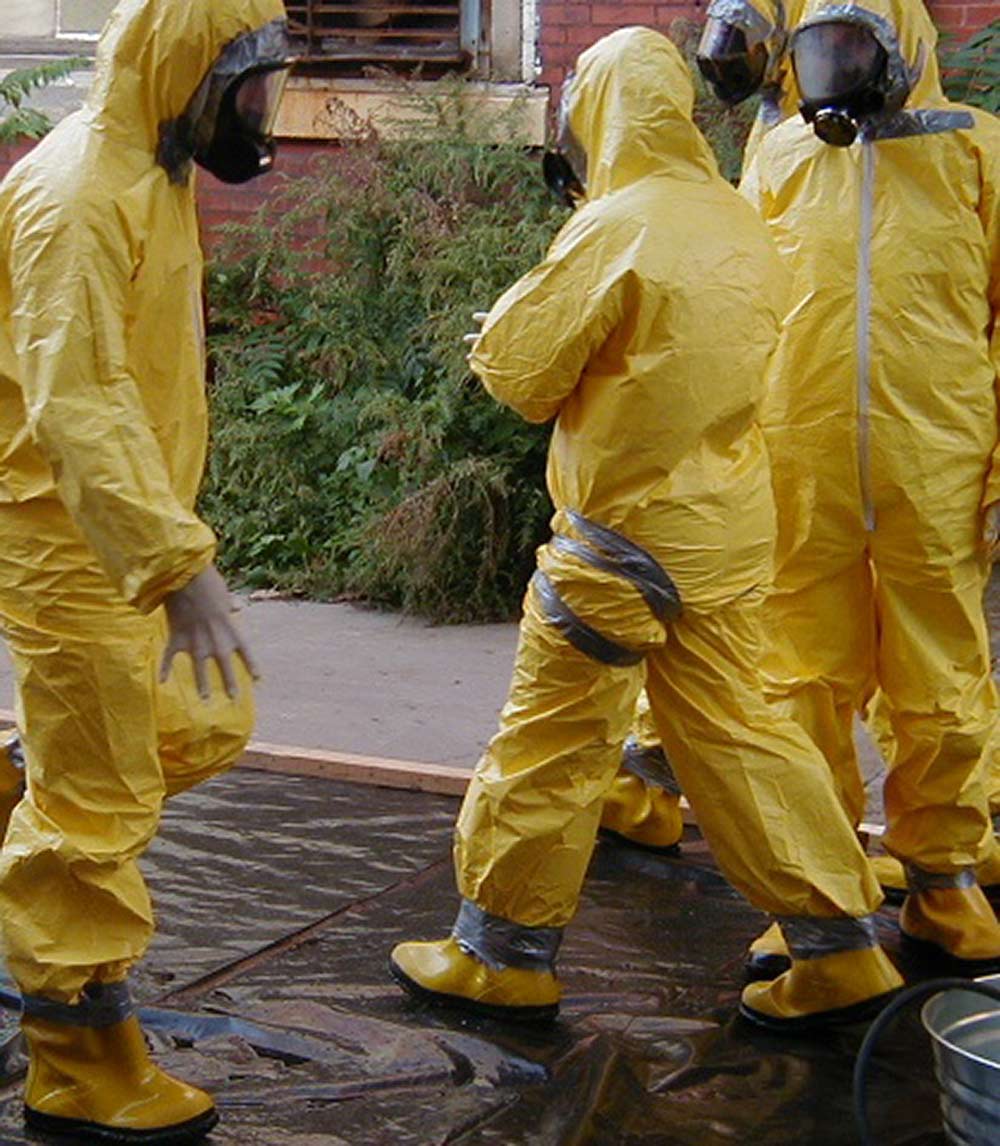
(764, 23)
(907, 34)
(102, 348)
(629, 109)
(153, 54)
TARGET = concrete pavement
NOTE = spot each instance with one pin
(348, 679)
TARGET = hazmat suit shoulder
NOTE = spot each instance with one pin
(618, 333)
(102, 361)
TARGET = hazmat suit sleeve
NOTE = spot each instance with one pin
(989, 212)
(69, 323)
(541, 333)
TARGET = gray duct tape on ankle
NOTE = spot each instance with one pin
(917, 879)
(649, 762)
(499, 943)
(809, 937)
(100, 1005)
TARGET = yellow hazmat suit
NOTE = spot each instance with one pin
(643, 803)
(882, 425)
(661, 551)
(102, 443)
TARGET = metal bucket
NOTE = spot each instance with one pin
(965, 1029)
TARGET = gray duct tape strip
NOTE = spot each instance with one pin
(743, 15)
(919, 880)
(102, 1005)
(499, 943)
(649, 762)
(579, 634)
(613, 551)
(920, 122)
(809, 937)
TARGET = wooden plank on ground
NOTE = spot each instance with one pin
(354, 769)
(376, 771)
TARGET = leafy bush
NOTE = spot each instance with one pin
(971, 71)
(353, 452)
(17, 120)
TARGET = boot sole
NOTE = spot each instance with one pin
(619, 840)
(544, 1013)
(180, 1134)
(821, 1020)
(940, 958)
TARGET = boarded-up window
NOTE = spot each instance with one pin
(349, 37)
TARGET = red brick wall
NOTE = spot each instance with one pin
(963, 19)
(220, 203)
(569, 26)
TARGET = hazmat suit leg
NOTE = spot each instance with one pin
(104, 743)
(934, 667)
(935, 671)
(763, 798)
(529, 820)
(821, 676)
(526, 830)
(643, 805)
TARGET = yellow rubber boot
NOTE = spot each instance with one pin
(892, 877)
(825, 991)
(442, 973)
(98, 1084)
(956, 923)
(768, 956)
(642, 815)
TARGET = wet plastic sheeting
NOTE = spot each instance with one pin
(325, 1049)
(251, 857)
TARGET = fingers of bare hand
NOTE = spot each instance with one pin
(470, 338)
(480, 316)
(166, 662)
(247, 658)
(225, 663)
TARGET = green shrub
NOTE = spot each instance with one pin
(18, 121)
(353, 453)
(971, 71)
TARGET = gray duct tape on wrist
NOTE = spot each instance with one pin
(649, 762)
(499, 943)
(809, 937)
(917, 879)
(100, 1005)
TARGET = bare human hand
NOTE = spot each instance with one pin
(199, 619)
(478, 317)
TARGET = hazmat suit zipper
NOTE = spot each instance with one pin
(863, 328)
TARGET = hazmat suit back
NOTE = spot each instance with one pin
(882, 425)
(645, 334)
(102, 443)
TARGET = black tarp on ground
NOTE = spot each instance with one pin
(279, 899)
